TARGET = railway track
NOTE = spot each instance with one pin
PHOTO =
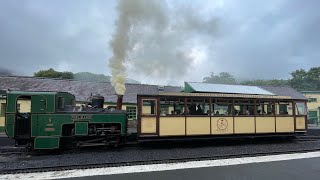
(308, 138)
(165, 161)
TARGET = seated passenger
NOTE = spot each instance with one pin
(208, 112)
(247, 112)
(236, 112)
(259, 112)
(199, 110)
(217, 113)
(186, 111)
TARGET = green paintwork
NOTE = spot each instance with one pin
(10, 125)
(42, 121)
(47, 119)
(46, 142)
(81, 128)
(188, 88)
(1, 129)
(41, 102)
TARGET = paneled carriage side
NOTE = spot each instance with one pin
(50, 120)
(238, 112)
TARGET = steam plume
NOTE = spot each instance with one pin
(153, 40)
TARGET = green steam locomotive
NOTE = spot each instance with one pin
(52, 121)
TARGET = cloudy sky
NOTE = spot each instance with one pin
(248, 38)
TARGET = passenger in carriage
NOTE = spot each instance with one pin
(208, 112)
(186, 112)
(236, 112)
(247, 112)
(217, 113)
(199, 110)
(193, 109)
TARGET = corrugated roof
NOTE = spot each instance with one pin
(285, 91)
(227, 88)
(81, 89)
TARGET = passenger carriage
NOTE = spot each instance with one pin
(226, 111)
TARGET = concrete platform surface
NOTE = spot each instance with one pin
(284, 167)
(284, 170)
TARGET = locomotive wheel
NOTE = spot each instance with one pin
(29, 147)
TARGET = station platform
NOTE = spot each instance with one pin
(284, 167)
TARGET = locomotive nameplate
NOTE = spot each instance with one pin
(80, 117)
(49, 129)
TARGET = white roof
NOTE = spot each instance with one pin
(226, 88)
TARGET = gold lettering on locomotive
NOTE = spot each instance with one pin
(81, 116)
(222, 125)
(49, 129)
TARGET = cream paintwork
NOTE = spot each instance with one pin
(148, 125)
(226, 129)
(300, 123)
(244, 125)
(172, 126)
(284, 124)
(313, 105)
(265, 125)
(198, 125)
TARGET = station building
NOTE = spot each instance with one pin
(313, 106)
(83, 90)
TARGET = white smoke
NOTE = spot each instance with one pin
(155, 41)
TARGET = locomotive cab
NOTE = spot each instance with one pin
(50, 120)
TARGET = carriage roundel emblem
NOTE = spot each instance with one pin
(222, 124)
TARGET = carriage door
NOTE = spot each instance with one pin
(148, 116)
(23, 117)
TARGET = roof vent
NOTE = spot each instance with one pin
(161, 88)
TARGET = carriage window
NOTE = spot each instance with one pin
(222, 107)
(301, 108)
(148, 107)
(265, 108)
(244, 107)
(284, 108)
(171, 106)
(199, 107)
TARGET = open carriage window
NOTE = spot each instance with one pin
(301, 108)
(197, 106)
(284, 108)
(149, 107)
(221, 107)
(244, 107)
(171, 106)
(265, 108)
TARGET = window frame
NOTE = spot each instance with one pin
(3, 109)
(155, 106)
(135, 112)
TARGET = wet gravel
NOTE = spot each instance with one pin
(158, 151)
(313, 132)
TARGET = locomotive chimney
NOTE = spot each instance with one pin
(119, 102)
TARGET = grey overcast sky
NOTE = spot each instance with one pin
(250, 39)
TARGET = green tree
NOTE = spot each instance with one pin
(221, 78)
(51, 73)
(262, 82)
(306, 80)
(87, 76)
